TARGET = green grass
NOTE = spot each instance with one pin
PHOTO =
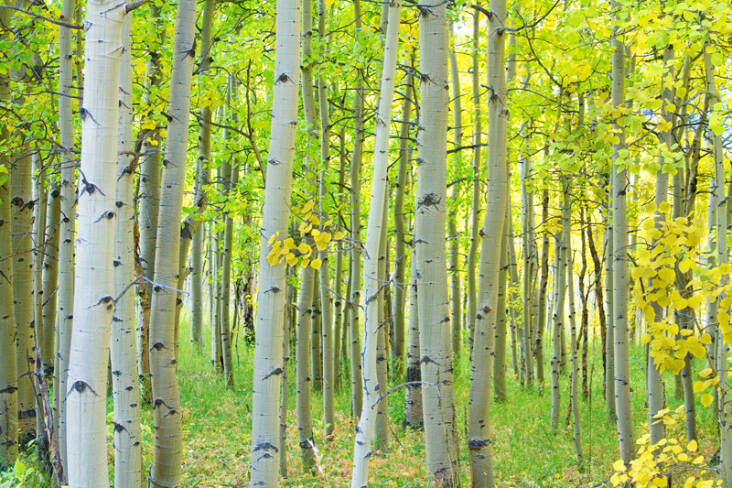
(526, 452)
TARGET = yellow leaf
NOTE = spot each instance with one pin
(315, 264)
(289, 243)
(706, 339)
(304, 248)
(619, 465)
(339, 235)
(707, 399)
(291, 259)
(692, 446)
(308, 206)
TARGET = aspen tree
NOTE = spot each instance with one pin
(8, 366)
(718, 191)
(303, 403)
(50, 281)
(431, 201)
(471, 291)
(454, 253)
(561, 241)
(574, 340)
(168, 448)
(620, 265)
(490, 255)
(413, 396)
(65, 300)
(125, 389)
(326, 326)
(541, 318)
(381, 430)
(150, 174)
(202, 163)
(499, 356)
(374, 232)
(21, 202)
(272, 293)
(94, 275)
(400, 234)
(355, 268)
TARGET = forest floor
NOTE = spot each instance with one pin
(216, 424)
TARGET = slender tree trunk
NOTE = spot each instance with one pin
(127, 430)
(561, 245)
(499, 355)
(574, 340)
(490, 255)
(381, 431)
(168, 450)
(50, 280)
(94, 295)
(620, 267)
(38, 239)
(476, 194)
(725, 425)
(543, 282)
(454, 255)
(67, 228)
(374, 238)
(610, 319)
(8, 365)
(202, 163)
(225, 329)
(355, 305)
(413, 395)
(150, 174)
(400, 233)
(302, 354)
(271, 297)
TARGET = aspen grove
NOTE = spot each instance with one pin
(370, 243)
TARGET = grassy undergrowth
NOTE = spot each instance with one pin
(526, 452)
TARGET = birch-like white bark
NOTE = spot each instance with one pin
(377, 208)
(272, 285)
(94, 274)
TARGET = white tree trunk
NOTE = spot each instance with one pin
(272, 285)
(67, 226)
(94, 295)
(431, 196)
(168, 451)
(490, 255)
(372, 285)
(125, 386)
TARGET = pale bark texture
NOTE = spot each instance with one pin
(150, 173)
(354, 308)
(50, 281)
(479, 427)
(202, 164)
(561, 245)
(457, 161)
(620, 266)
(125, 386)
(8, 367)
(374, 233)
(303, 401)
(725, 424)
(168, 448)
(413, 395)
(94, 275)
(272, 285)
(470, 266)
(21, 202)
(67, 227)
(431, 204)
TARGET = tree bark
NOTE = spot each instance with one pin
(168, 449)
(94, 295)
(272, 283)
